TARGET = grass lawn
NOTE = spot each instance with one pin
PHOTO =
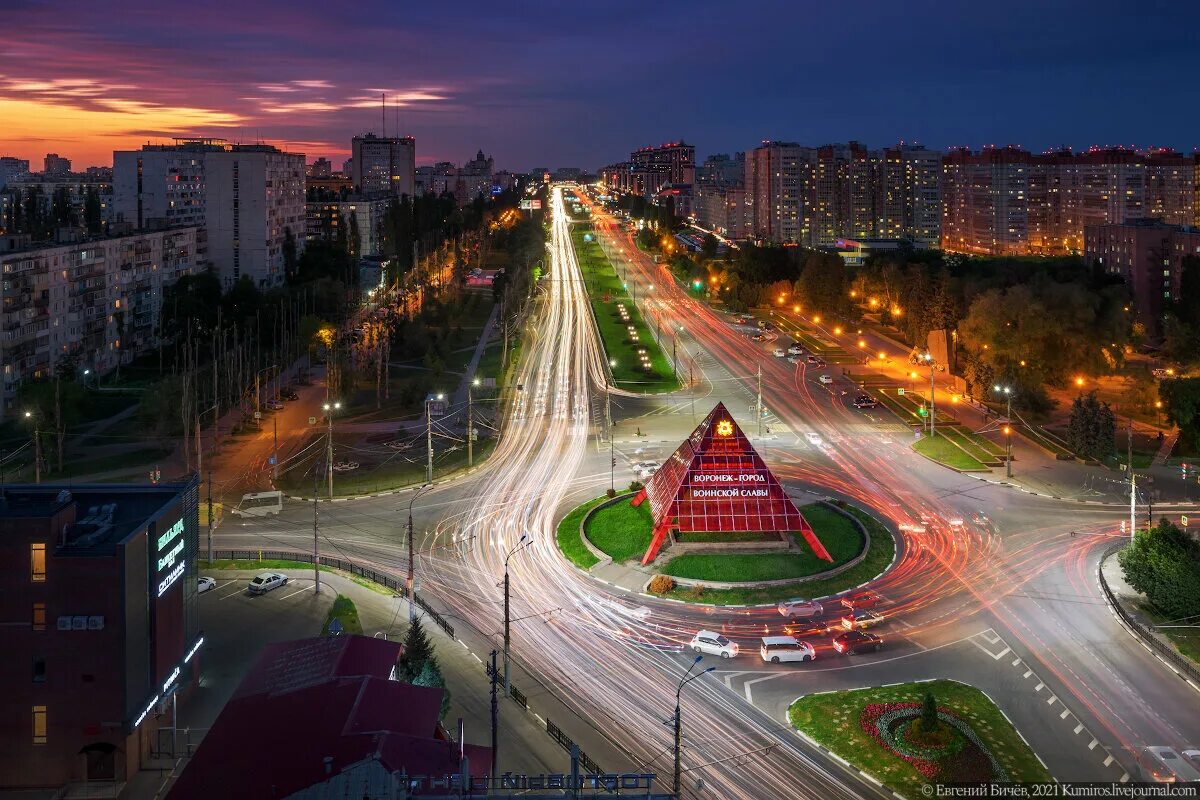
(568, 536)
(1186, 640)
(879, 556)
(621, 530)
(344, 611)
(833, 720)
(394, 474)
(75, 467)
(602, 281)
(280, 564)
(970, 443)
(943, 451)
(837, 533)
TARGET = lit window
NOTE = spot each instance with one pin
(39, 724)
(39, 616)
(37, 562)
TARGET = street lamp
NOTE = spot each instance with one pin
(684, 681)
(521, 544)
(37, 445)
(1007, 391)
(927, 357)
(429, 437)
(1008, 449)
(329, 409)
(411, 584)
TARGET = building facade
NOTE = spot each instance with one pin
(321, 168)
(248, 198)
(99, 597)
(11, 167)
(98, 301)
(56, 166)
(382, 164)
(325, 218)
(1149, 255)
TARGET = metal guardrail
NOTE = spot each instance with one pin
(397, 585)
(1151, 637)
(517, 696)
(566, 743)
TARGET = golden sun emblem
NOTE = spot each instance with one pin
(724, 428)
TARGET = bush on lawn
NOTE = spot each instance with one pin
(661, 584)
(1164, 564)
(635, 486)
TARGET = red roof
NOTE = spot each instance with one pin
(307, 701)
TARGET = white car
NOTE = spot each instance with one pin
(825, 379)
(795, 350)
(802, 609)
(264, 582)
(779, 352)
(646, 472)
(813, 437)
(204, 584)
(785, 648)
(714, 644)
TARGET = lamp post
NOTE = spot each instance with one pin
(684, 681)
(429, 437)
(521, 544)
(329, 409)
(412, 562)
(927, 357)
(1007, 391)
(471, 424)
(37, 445)
(1008, 449)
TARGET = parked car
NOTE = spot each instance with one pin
(854, 642)
(758, 337)
(785, 648)
(646, 472)
(289, 394)
(812, 359)
(861, 600)
(779, 353)
(860, 619)
(274, 405)
(812, 627)
(205, 583)
(825, 379)
(865, 401)
(798, 608)
(1159, 764)
(264, 582)
(714, 644)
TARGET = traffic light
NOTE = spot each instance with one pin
(923, 411)
(1183, 471)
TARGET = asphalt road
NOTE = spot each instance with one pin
(1009, 592)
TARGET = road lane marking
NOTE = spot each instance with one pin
(1052, 700)
(1109, 760)
(1039, 687)
(1078, 728)
(1028, 672)
(1016, 662)
(293, 594)
(751, 682)
(1093, 744)
(1066, 713)
(236, 590)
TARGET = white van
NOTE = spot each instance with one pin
(785, 648)
(1160, 764)
(259, 504)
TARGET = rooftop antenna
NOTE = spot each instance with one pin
(383, 112)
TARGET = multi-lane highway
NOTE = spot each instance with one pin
(1007, 600)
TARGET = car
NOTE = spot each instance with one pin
(758, 337)
(264, 582)
(1192, 756)
(865, 401)
(274, 405)
(812, 627)
(795, 350)
(205, 583)
(778, 352)
(860, 619)
(825, 379)
(785, 648)
(1160, 764)
(289, 394)
(813, 437)
(812, 359)
(820, 362)
(861, 600)
(345, 466)
(646, 472)
(854, 642)
(798, 608)
(714, 644)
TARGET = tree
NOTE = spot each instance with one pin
(92, 215)
(417, 651)
(1181, 402)
(1164, 564)
(431, 676)
(708, 247)
(289, 254)
(929, 715)
(1092, 429)
(352, 244)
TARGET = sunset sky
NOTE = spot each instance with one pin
(539, 83)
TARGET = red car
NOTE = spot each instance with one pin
(861, 600)
(806, 628)
(853, 642)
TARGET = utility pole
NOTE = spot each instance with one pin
(470, 429)
(678, 748)
(210, 517)
(1132, 486)
(612, 465)
(275, 457)
(37, 452)
(316, 548)
(329, 409)
(428, 443)
(495, 714)
(932, 405)
(692, 384)
(507, 682)
(410, 583)
(758, 406)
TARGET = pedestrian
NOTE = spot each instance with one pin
(1072, 534)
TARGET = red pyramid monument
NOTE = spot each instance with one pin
(716, 481)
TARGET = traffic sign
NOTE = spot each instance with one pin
(335, 627)
(1183, 520)
(258, 415)
(900, 390)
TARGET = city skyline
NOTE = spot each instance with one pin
(85, 81)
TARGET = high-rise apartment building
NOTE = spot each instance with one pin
(248, 198)
(779, 178)
(1149, 255)
(11, 167)
(985, 201)
(361, 216)
(382, 164)
(97, 300)
(653, 167)
(321, 168)
(55, 165)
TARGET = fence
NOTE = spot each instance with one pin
(517, 696)
(397, 585)
(1151, 637)
(565, 743)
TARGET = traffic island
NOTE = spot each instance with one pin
(911, 735)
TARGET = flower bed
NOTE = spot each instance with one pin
(962, 757)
